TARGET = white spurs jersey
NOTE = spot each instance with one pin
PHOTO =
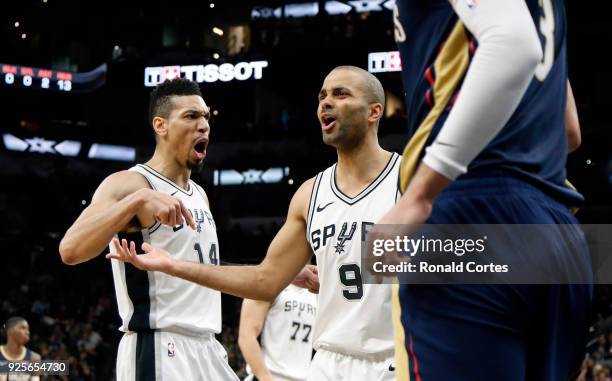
(286, 337)
(154, 300)
(353, 318)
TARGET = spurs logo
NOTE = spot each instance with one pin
(198, 217)
(344, 236)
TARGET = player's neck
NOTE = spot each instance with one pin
(13, 351)
(167, 166)
(359, 166)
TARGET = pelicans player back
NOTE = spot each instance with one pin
(486, 84)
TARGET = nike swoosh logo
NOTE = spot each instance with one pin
(320, 208)
(172, 194)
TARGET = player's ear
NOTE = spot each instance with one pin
(375, 112)
(160, 126)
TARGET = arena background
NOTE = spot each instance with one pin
(59, 142)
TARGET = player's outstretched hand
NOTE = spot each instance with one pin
(166, 209)
(153, 259)
(308, 278)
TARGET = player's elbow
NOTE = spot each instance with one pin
(69, 253)
(68, 256)
(518, 43)
(532, 53)
(572, 127)
(525, 46)
(574, 139)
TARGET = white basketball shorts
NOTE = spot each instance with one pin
(169, 356)
(332, 366)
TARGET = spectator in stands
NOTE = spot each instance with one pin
(90, 340)
(602, 373)
(602, 351)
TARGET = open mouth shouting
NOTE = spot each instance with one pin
(199, 148)
(328, 122)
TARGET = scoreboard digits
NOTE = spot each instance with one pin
(51, 80)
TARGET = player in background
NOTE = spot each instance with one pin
(17, 336)
(276, 337)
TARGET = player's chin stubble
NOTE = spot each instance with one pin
(195, 166)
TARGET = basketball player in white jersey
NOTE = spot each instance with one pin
(284, 328)
(169, 323)
(330, 215)
(15, 350)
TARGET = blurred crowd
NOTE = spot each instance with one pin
(598, 363)
(89, 343)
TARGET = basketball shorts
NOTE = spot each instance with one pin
(334, 366)
(502, 332)
(275, 377)
(169, 356)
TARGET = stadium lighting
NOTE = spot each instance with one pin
(218, 31)
(111, 152)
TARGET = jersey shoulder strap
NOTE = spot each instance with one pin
(138, 169)
(313, 199)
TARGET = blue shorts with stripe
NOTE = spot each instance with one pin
(498, 332)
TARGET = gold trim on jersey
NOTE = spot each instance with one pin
(450, 66)
(9, 358)
(401, 356)
(573, 209)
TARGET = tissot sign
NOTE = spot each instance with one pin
(226, 72)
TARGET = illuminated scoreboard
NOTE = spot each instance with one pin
(52, 80)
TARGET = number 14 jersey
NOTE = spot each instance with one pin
(154, 300)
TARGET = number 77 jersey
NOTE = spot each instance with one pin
(352, 318)
(154, 300)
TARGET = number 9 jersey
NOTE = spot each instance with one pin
(154, 300)
(352, 318)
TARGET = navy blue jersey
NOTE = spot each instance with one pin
(26, 357)
(436, 51)
(21, 376)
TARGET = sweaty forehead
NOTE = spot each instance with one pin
(189, 102)
(343, 78)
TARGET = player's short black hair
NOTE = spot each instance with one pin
(161, 96)
(13, 321)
